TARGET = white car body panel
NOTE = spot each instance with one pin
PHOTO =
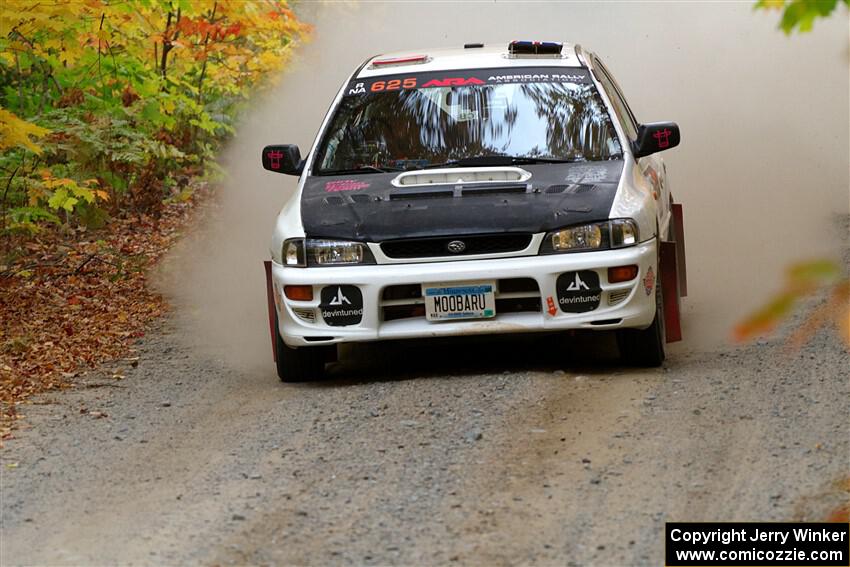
(636, 310)
(450, 59)
(637, 198)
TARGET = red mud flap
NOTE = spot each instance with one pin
(670, 289)
(674, 282)
(270, 295)
(679, 236)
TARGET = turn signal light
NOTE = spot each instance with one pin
(299, 292)
(622, 274)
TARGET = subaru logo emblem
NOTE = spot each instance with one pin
(456, 246)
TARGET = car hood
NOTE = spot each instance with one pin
(369, 208)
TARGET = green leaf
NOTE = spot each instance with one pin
(32, 214)
(151, 113)
(61, 199)
(57, 200)
(69, 203)
(801, 14)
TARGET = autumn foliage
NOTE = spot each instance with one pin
(800, 15)
(117, 99)
(110, 114)
(78, 302)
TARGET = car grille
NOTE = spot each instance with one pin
(308, 315)
(513, 295)
(615, 297)
(436, 247)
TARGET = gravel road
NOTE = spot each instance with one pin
(520, 451)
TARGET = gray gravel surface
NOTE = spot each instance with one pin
(533, 451)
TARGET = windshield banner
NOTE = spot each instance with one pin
(464, 78)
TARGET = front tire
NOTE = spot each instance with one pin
(645, 347)
(298, 364)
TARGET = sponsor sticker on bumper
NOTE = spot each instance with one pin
(341, 305)
(578, 292)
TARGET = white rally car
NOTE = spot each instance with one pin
(489, 189)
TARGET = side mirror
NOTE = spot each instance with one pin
(283, 159)
(655, 137)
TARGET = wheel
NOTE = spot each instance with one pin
(645, 347)
(299, 364)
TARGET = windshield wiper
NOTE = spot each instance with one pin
(358, 170)
(492, 161)
(479, 161)
(450, 163)
(532, 160)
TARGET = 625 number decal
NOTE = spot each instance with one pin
(393, 85)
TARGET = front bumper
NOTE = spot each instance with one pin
(622, 305)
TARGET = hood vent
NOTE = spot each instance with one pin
(478, 190)
(493, 190)
(459, 175)
(340, 200)
(574, 189)
(422, 193)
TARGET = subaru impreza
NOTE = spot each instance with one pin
(479, 190)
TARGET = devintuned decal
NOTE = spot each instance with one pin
(550, 306)
(649, 281)
(578, 291)
(469, 77)
(345, 185)
(341, 305)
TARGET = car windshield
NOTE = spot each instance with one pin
(429, 127)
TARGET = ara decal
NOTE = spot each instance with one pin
(453, 82)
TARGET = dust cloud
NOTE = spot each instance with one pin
(762, 170)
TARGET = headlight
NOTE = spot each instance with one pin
(595, 236)
(624, 232)
(293, 253)
(300, 252)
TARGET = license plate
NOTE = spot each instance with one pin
(473, 300)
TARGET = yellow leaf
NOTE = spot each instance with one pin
(16, 132)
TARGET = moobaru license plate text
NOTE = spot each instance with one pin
(468, 301)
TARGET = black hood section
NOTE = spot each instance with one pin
(368, 208)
